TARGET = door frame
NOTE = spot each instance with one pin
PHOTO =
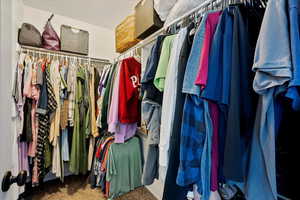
(8, 43)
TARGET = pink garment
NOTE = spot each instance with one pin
(23, 158)
(197, 196)
(214, 112)
(113, 117)
(34, 124)
(33, 143)
(35, 94)
(125, 132)
(210, 27)
(35, 177)
(122, 131)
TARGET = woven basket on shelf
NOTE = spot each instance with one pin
(125, 34)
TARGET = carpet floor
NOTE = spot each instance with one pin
(76, 188)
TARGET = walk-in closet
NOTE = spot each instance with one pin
(149, 99)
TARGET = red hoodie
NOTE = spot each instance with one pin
(130, 76)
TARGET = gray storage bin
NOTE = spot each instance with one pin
(74, 40)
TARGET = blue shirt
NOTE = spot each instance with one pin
(191, 142)
(219, 73)
(295, 53)
(193, 62)
(273, 67)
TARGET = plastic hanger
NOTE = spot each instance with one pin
(48, 57)
(89, 63)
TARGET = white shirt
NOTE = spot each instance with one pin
(169, 99)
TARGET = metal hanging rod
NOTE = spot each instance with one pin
(37, 50)
(152, 37)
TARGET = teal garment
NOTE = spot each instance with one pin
(124, 167)
(78, 162)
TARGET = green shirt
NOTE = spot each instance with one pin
(124, 167)
(160, 76)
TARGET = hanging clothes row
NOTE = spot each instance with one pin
(55, 114)
(117, 156)
(277, 83)
(199, 105)
(117, 167)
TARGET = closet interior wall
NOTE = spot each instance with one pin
(101, 39)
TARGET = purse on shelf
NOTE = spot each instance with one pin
(51, 40)
(29, 35)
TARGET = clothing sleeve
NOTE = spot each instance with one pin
(15, 85)
(39, 75)
(159, 80)
(194, 60)
(272, 64)
(27, 80)
(203, 65)
(272, 60)
(69, 79)
(111, 166)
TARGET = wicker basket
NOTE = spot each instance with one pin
(125, 34)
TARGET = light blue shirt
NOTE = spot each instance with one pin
(193, 62)
(295, 52)
(273, 67)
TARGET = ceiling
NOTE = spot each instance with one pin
(104, 13)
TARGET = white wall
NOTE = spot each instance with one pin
(10, 15)
(102, 40)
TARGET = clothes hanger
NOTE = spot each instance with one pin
(27, 52)
(39, 55)
(223, 5)
(89, 64)
(263, 3)
(65, 60)
(48, 57)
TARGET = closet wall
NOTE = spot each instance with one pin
(102, 41)
(10, 19)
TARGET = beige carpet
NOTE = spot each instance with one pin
(76, 188)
